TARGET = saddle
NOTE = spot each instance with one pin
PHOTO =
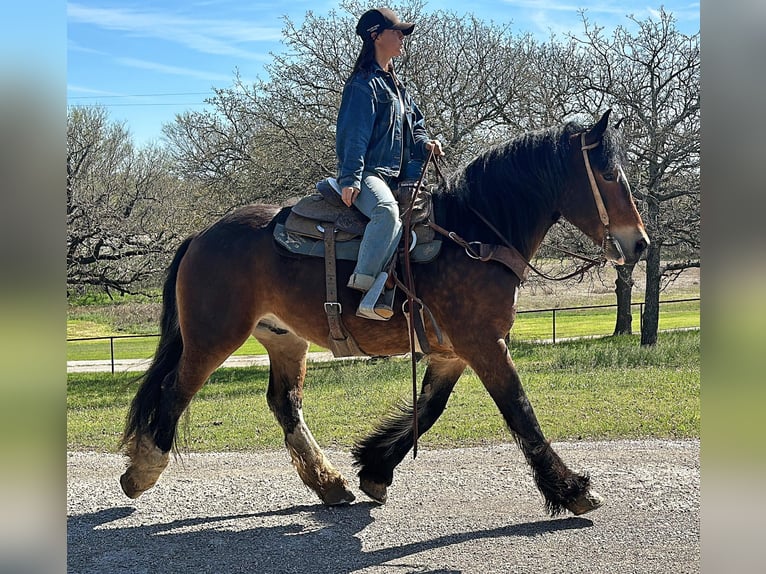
(303, 231)
(321, 224)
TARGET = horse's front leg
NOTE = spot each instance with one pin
(561, 488)
(378, 454)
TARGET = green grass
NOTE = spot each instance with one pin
(538, 325)
(596, 389)
(134, 348)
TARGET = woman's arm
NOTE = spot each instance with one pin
(356, 118)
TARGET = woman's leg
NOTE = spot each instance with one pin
(382, 234)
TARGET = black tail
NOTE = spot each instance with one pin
(145, 414)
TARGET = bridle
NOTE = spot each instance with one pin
(512, 258)
(602, 213)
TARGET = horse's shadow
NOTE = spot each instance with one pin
(323, 540)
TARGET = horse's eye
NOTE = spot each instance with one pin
(609, 175)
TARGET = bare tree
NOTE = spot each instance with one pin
(652, 78)
(477, 84)
(119, 221)
(272, 140)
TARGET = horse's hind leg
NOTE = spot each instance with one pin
(287, 358)
(161, 404)
(199, 330)
(378, 454)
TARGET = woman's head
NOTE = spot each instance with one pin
(382, 36)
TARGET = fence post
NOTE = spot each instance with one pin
(554, 326)
(111, 351)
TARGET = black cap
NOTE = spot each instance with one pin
(380, 19)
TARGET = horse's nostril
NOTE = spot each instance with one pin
(641, 245)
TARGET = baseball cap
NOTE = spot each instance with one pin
(379, 19)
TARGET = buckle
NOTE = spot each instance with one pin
(333, 308)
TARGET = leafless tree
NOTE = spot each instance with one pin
(121, 206)
(652, 79)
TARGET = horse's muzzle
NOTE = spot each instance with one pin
(625, 247)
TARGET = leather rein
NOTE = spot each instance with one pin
(511, 257)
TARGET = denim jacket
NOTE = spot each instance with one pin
(370, 132)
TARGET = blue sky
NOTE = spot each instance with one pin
(146, 61)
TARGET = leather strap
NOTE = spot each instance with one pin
(602, 213)
(508, 256)
(341, 343)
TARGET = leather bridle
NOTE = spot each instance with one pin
(602, 213)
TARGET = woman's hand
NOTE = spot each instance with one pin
(349, 195)
(435, 145)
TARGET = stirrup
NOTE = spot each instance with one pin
(377, 304)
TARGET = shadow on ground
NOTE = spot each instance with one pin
(320, 539)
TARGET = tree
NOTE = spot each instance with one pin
(122, 206)
(272, 140)
(652, 78)
(477, 84)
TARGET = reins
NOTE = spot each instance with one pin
(485, 252)
(411, 300)
(590, 263)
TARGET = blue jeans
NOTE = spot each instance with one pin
(383, 231)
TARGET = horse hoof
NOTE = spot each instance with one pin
(130, 488)
(146, 466)
(586, 502)
(337, 495)
(375, 490)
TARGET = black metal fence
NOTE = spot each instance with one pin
(552, 311)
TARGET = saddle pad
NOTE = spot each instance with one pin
(346, 250)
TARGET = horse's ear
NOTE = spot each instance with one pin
(595, 133)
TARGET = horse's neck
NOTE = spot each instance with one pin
(468, 223)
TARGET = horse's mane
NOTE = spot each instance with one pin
(515, 183)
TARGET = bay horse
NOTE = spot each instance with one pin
(229, 282)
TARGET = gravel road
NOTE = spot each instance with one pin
(471, 510)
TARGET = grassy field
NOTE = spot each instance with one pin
(591, 389)
(530, 326)
(97, 317)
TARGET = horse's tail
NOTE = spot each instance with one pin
(145, 410)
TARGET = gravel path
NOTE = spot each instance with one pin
(470, 510)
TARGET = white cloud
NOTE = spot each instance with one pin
(83, 91)
(173, 70)
(206, 35)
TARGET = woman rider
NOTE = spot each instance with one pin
(381, 140)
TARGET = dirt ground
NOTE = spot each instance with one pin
(472, 510)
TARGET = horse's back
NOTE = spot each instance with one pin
(247, 219)
(223, 261)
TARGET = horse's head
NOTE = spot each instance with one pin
(600, 202)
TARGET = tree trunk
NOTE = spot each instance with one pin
(651, 319)
(623, 290)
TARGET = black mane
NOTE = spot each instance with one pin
(516, 183)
